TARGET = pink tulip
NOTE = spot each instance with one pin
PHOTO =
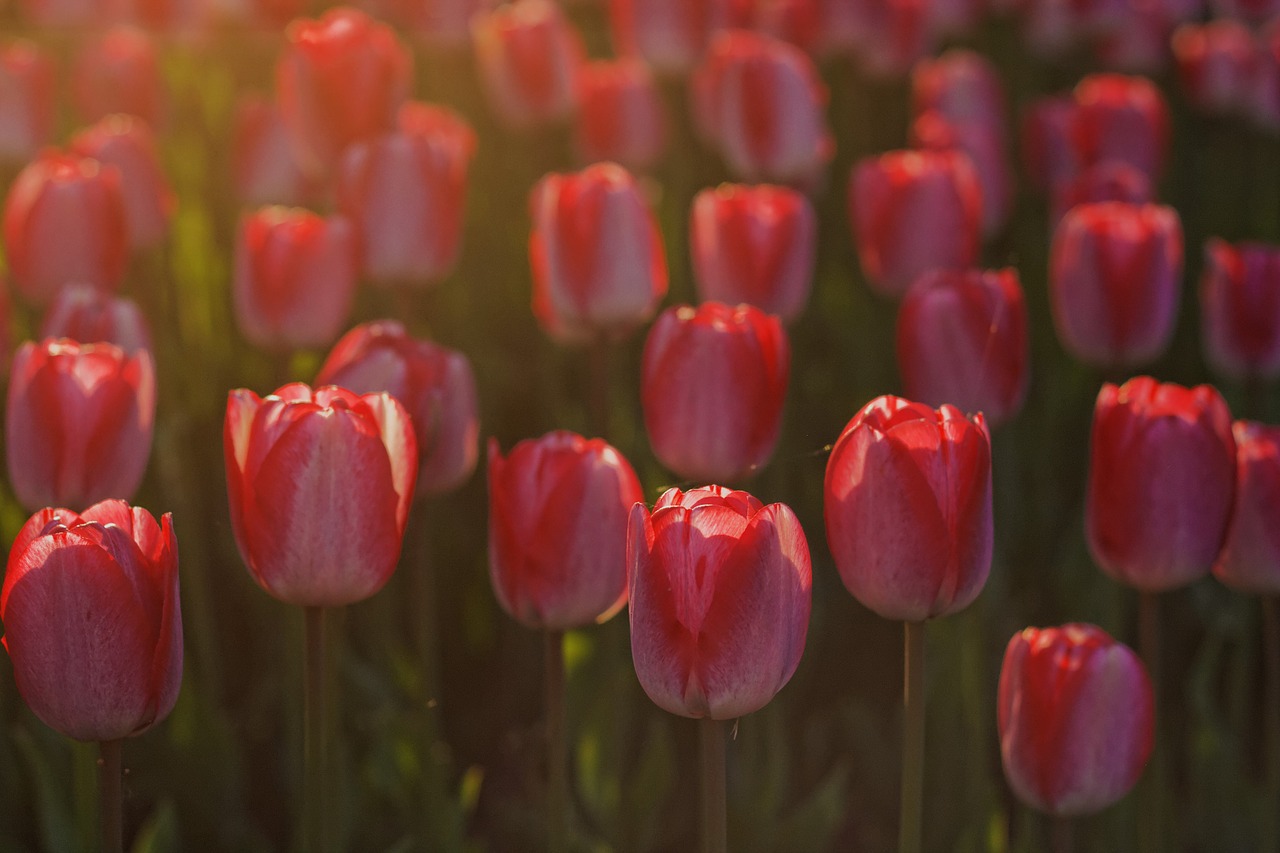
(1121, 118)
(529, 55)
(620, 115)
(118, 72)
(985, 149)
(88, 315)
(1264, 95)
(1240, 308)
(963, 86)
(1250, 557)
(892, 35)
(63, 13)
(1253, 11)
(671, 35)
(1217, 64)
(1048, 150)
(440, 23)
(1110, 180)
(27, 100)
(127, 143)
(265, 168)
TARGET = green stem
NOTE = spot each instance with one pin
(1152, 816)
(912, 817)
(715, 833)
(1271, 716)
(599, 391)
(112, 804)
(557, 744)
(1063, 840)
(315, 768)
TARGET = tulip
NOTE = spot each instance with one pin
(432, 382)
(797, 22)
(1240, 309)
(754, 244)
(295, 277)
(118, 72)
(620, 115)
(1264, 95)
(558, 508)
(1217, 63)
(1250, 557)
(1047, 150)
(596, 252)
(128, 144)
(1121, 118)
(63, 13)
(92, 620)
(78, 422)
(1253, 11)
(340, 78)
(713, 381)
(441, 23)
(962, 339)
(894, 34)
(188, 18)
(984, 146)
(1076, 718)
(88, 315)
(529, 55)
(913, 211)
(404, 193)
(671, 35)
(1162, 475)
(720, 599)
(64, 221)
(27, 100)
(267, 15)
(963, 86)
(1114, 274)
(320, 484)
(1110, 180)
(265, 169)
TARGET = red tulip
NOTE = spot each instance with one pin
(963, 86)
(1240, 308)
(598, 264)
(265, 168)
(78, 423)
(1047, 149)
(92, 619)
(432, 382)
(671, 35)
(1076, 717)
(1250, 557)
(295, 277)
(962, 339)
(797, 22)
(63, 13)
(1110, 180)
(1254, 11)
(128, 144)
(118, 72)
(64, 222)
(913, 211)
(1121, 118)
(88, 315)
(620, 115)
(529, 55)
(1217, 63)
(441, 23)
(1161, 479)
(1264, 95)
(320, 484)
(558, 529)
(713, 381)
(984, 147)
(27, 100)
(894, 34)
(721, 589)
(340, 78)
(265, 14)
(908, 508)
(754, 244)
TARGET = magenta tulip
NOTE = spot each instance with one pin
(1250, 557)
(1240, 309)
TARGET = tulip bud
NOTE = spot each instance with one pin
(984, 147)
(713, 381)
(93, 624)
(1121, 118)
(1114, 275)
(118, 72)
(127, 143)
(266, 170)
(1217, 63)
(1048, 151)
(1250, 557)
(894, 34)
(88, 315)
(1110, 180)
(596, 252)
(620, 115)
(27, 100)
(1161, 479)
(320, 484)
(529, 55)
(62, 13)
(558, 510)
(1240, 308)
(908, 508)
(721, 589)
(78, 423)
(754, 244)
(963, 86)
(1076, 718)
(671, 35)
(432, 382)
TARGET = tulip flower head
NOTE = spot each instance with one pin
(119, 72)
(1240, 308)
(529, 55)
(127, 143)
(87, 314)
(1250, 558)
(620, 114)
(28, 79)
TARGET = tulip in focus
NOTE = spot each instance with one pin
(118, 72)
(1240, 309)
(620, 114)
(721, 589)
(127, 143)
(1250, 557)
(92, 620)
(27, 100)
(88, 315)
(529, 55)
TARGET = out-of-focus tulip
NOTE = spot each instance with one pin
(761, 103)
(529, 56)
(64, 222)
(962, 339)
(63, 13)
(78, 422)
(986, 152)
(598, 264)
(125, 141)
(754, 244)
(1264, 94)
(1250, 557)
(88, 315)
(118, 72)
(908, 508)
(270, 15)
(1240, 308)
(265, 168)
(913, 211)
(92, 620)
(184, 18)
(1161, 480)
(671, 35)
(404, 191)
(892, 35)
(1111, 180)
(1121, 118)
(1048, 152)
(1254, 11)
(620, 114)
(27, 100)
(1114, 273)
(295, 277)
(713, 381)
(432, 382)
(721, 589)
(558, 509)
(441, 23)
(1217, 63)
(340, 78)
(1076, 718)
(320, 484)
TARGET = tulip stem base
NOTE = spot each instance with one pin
(910, 830)
(1271, 718)
(112, 803)
(315, 772)
(557, 744)
(715, 834)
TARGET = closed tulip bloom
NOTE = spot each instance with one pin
(118, 72)
(1250, 557)
(713, 381)
(88, 315)
(1076, 718)
(27, 100)
(295, 277)
(1110, 180)
(64, 222)
(754, 244)
(62, 13)
(92, 620)
(1240, 308)
(721, 589)
(1114, 275)
(962, 339)
(434, 384)
(598, 265)
(127, 143)
(984, 146)
(797, 22)
(1048, 150)
(620, 114)
(1217, 63)
(1264, 95)
(320, 484)
(78, 423)
(1161, 481)
(558, 508)
(529, 55)
(908, 508)
(440, 23)
(340, 78)
(962, 85)
(894, 34)
(913, 211)
(671, 35)
(1124, 118)
(265, 168)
